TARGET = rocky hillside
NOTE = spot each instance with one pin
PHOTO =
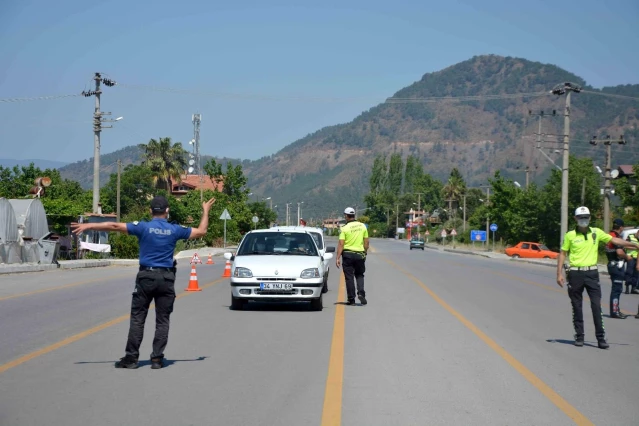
(329, 168)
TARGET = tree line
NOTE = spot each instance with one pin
(522, 213)
(164, 162)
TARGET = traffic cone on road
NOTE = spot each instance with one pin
(227, 270)
(210, 261)
(193, 284)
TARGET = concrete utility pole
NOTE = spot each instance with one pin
(608, 143)
(464, 225)
(97, 129)
(118, 196)
(559, 90)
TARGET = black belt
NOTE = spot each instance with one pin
(155, 268)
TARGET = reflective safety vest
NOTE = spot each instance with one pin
(632, 252)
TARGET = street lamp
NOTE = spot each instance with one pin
(299, 209)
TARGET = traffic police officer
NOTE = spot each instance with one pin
(351, 251)
(617, 259)
(631, 269)
(581, 244)
(156, 277)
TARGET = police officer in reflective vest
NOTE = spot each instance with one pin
(156, 277)
(617, 260)
(581, 244)
(351, 251)
(632, 272)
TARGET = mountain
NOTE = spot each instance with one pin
(42, 164)
(329, 169)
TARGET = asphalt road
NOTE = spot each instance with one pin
(446, 339)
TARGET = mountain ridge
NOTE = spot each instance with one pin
(329, 168)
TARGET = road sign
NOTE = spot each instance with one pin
(453, 232)
(225, 216)
(427, 233)
(478, 235)
(493, 227)
(255, 219)
(195, 259)
(443, 233)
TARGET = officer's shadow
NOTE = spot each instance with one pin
(586, 343)
(146, 362)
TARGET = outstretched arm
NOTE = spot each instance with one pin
(78, 228)
(200, 231)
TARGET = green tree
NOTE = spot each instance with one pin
(395, 174)
(166, 160)
(136, 187)
(233, 181)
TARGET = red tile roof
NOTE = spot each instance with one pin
(193, 182)
(626, 170)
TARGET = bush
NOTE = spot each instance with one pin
(124, 246)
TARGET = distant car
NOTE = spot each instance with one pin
(531, 250)
(318, 236)
(417, 243)
(277, 265)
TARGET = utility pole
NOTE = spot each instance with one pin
(608, 143)
(464, 225)
(559, 90)
(540, 115)
(97, 129)
(118, 196)
(527, 176)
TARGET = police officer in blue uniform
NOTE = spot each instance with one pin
(155, 280)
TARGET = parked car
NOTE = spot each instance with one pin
(318, 236)
(277, 265)
(417, 243)
(531, 250)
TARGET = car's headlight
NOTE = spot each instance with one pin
(243, 273)
(310, 273)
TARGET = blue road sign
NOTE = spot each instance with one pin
(493, 227)
(478, 236)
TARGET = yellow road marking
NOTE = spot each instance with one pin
(332, 411)
(546, 390)
(82, 335)
(44, 290)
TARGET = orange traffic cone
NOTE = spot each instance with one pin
(193, 285)
(227, 270)
(210, 261)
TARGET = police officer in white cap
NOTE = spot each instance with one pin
(581, 245)
(351, 251)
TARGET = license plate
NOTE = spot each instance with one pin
(276, 286)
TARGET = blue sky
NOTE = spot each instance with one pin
(337, 58)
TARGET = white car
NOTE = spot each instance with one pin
(318, 236)
(277, 265)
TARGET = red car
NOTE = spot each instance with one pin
(531, 250)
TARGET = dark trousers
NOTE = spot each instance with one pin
(354, 265)
(158, 286)
(577, 281)
(631, 274)
(617, 276)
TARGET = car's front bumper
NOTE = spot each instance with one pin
(301, 291)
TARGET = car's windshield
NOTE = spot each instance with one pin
(318, 239)
(277, 243)
(543, 247)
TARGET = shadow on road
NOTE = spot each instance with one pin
(143, 363)
(586, 343)
(276, 306)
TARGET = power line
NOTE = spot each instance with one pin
(40, 98)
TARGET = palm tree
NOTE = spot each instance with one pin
(454, 189)
(166, 160)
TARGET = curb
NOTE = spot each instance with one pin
(467, 252)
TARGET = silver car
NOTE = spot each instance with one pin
(277, 265)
